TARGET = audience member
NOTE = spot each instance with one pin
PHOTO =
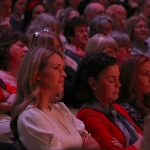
(42, 22)
(119, 14)
(124, 43)
(49, 38)
(38, 119)
(33, 10)
(137, 29)
(53, 6)
(72, 3)
(101, 24)
(143, 9)
(62, 16)
(135, 87)
(12, 50)
(93, 9)
(5, 12)
(76, 32)
(101, 43)
(97, 85)
(18, 9)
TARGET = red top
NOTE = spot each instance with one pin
(4, 94)
(102, 129)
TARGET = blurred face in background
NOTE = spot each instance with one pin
(5, 8)
(143, 78)
(56, 5)
(146, 8)
(140, 31)
(74, 3)
(20, 6)
(119, 21)
(37, 10)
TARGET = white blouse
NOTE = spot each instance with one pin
(51, 129)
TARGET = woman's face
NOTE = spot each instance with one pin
(146, 8)
(119, 21)
(107, 29)
(140, 31)
(53, 75)
(143, 78)
(106, 87)
(17, 52)
(57, 5)
(20, 6)
(39, 9)
(74, 3)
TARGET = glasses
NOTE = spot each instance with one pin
(141, 27)
(44, 30)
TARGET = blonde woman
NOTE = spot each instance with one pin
(38, 119)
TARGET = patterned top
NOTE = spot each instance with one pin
(137, 117)
(53, 129)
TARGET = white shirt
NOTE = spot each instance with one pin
(49, 130)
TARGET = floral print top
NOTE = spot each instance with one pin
(136, 116)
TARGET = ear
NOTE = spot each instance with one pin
(38, 77)
(92, 83)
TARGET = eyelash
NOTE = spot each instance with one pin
(145, 74)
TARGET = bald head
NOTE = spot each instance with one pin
(93, 9)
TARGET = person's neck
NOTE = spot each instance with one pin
(141, 42)
(45, 98)
(81, 46)
(13, 71)
(16, 16)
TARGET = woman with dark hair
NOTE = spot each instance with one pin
(12, 50)
(97, 85)
(17, 14)
(33, 10)
(135, 87)
(39, 120)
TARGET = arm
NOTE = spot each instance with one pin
(102, 129)
(35, 130)
(6, 105)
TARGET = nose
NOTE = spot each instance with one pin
(63, 74)
(118, 85)
(25, 49)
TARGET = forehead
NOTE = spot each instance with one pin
(145, 66)
(55, 59)
(111, 71)
(80, 27)
(141, 22)
(5, 3)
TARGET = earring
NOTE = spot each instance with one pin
(37, 78)
(94, 88)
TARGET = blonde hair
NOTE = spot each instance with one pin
(41, 22)
(98, 43)
(29, 91)
(115, 9)
(45, 38)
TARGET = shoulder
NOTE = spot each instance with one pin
(86, 112)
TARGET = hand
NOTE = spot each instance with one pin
(89, 142)
(116, 143)
(137, 144)
(6, 22)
